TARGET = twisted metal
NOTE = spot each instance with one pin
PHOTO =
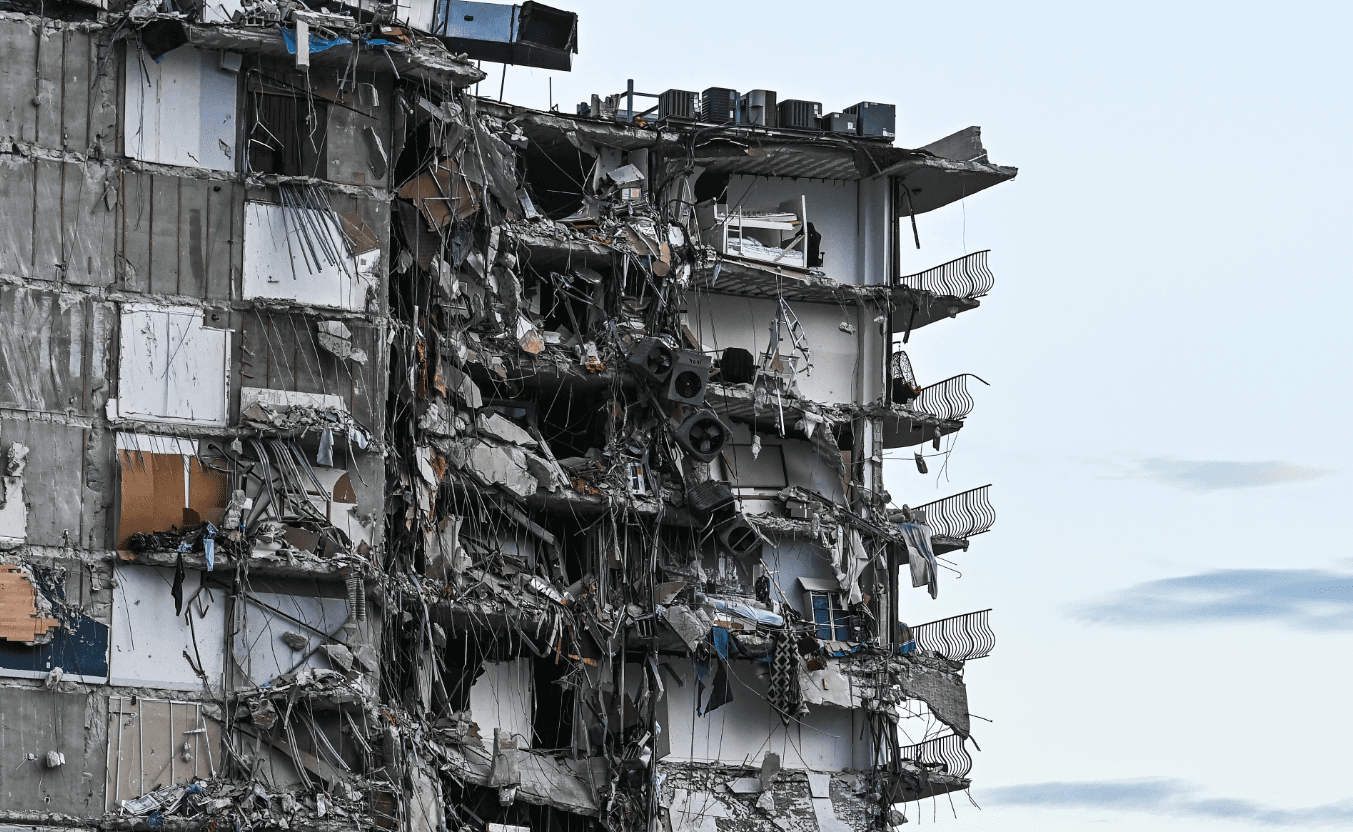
(947, 753)
(960, 515)
(948, 399)
(967, 277)
(959, 638)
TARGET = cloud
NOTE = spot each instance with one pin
(1164, 796)
(1199, 475)
(1309, 599)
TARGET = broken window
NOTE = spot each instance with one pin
(288, 129)
(831, 620)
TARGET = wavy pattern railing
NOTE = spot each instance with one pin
(947, 751)
(960, 638)
(948, 399)
(961, 515)
(967, 277)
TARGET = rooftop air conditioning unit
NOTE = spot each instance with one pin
(677, 104)
(801, 115)
(719, 105)
(758, 107)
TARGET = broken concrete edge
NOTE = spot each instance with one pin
(423, 61)
(630, 136)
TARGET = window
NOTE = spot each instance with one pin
(828, 616)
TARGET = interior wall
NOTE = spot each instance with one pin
(791, 559)
(504, 698)
(742, 731)
(722, 321)
(832, 209)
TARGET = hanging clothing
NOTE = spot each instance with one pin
(924, 568)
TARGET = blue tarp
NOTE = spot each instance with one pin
(319, 44)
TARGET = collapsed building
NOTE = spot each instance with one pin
(379, 455)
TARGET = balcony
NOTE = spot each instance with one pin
(931, 768)
(958, 638)
(935, 411)
(941, 292)
(955, 519)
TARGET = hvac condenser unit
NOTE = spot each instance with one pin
(801, 115)
(839, 123)
(677, 104)
(758, 107)
(719, 105)
(875, 119)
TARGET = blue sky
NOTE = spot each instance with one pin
(1166, 341)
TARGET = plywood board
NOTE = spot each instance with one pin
(149, 641)
(172, 369)
(285, 259)
(180, 110)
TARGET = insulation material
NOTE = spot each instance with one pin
(74, 646)
(181, 109)
(284, 400)
(503, 699)
(20, 618)
(154, 743)
(163, 484)
(828, 686)
(261, 619)
(151, 645)
(276, 266)
(172, 368)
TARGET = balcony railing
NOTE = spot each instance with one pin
(948, 399)
(946, 752)
(959, 638)
(967, 277)
(961, 515)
